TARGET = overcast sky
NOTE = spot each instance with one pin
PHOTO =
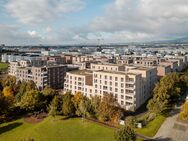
(32, 22)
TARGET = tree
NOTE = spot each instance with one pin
(24, 87)
(130, 121)
(54, 108)
(78, 97)
(3, 105)
(184, 112)
(86, 108)
(95, 102)
(166, 93)
(9, 81)
(49, 93)
(68, 108)
(108, 107)
(9, 95)
(32, 100)
(126, 133)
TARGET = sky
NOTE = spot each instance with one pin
(58, 22)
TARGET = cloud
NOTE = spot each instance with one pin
(42, 11)
(155, 18)
(12, 35)
(121, 21)
(32, 33)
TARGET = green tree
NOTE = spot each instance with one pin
(130, 121)
(32, 100)
(85, 107)
(78, 97)
(126, 133)
(166, 93)
(54, 108)
(23, 88)
(68, 108)
(95, 102)
(49, 94)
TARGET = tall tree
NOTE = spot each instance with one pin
(54, 107)
(78, 97)
(68, 108)
(166, 92)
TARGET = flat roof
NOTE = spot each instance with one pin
(118, 72)
(81, 72)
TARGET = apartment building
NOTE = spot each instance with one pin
(172, 63)
(79, 81)
(163, 70)
(52, 76)
(149, 79)
(107, 67)
(131, 86)
(81, 58)
(126, 61)
(17, 57)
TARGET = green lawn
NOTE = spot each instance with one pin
(3, 66)
(55, 130)
(151, 128)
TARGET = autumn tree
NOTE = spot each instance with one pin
(184, 112)
(9, 95)
(126, 133)
(108, 108)
(9, 81)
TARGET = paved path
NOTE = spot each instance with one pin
(172, 130)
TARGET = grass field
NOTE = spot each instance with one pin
(55, 130)
(151, 128)
(3, 66)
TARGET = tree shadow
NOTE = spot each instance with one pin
(162, 139)
(9, 127)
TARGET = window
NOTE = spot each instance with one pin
(110, 83)
(122, 85)
(116, 89)
(110, 77)
(116, 78)
(122, 90)
(122, 96)
(122, 79)
(122, 102)
(116, 84)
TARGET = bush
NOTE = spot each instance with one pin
(125, 134)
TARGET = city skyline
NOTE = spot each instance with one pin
(26, 22)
